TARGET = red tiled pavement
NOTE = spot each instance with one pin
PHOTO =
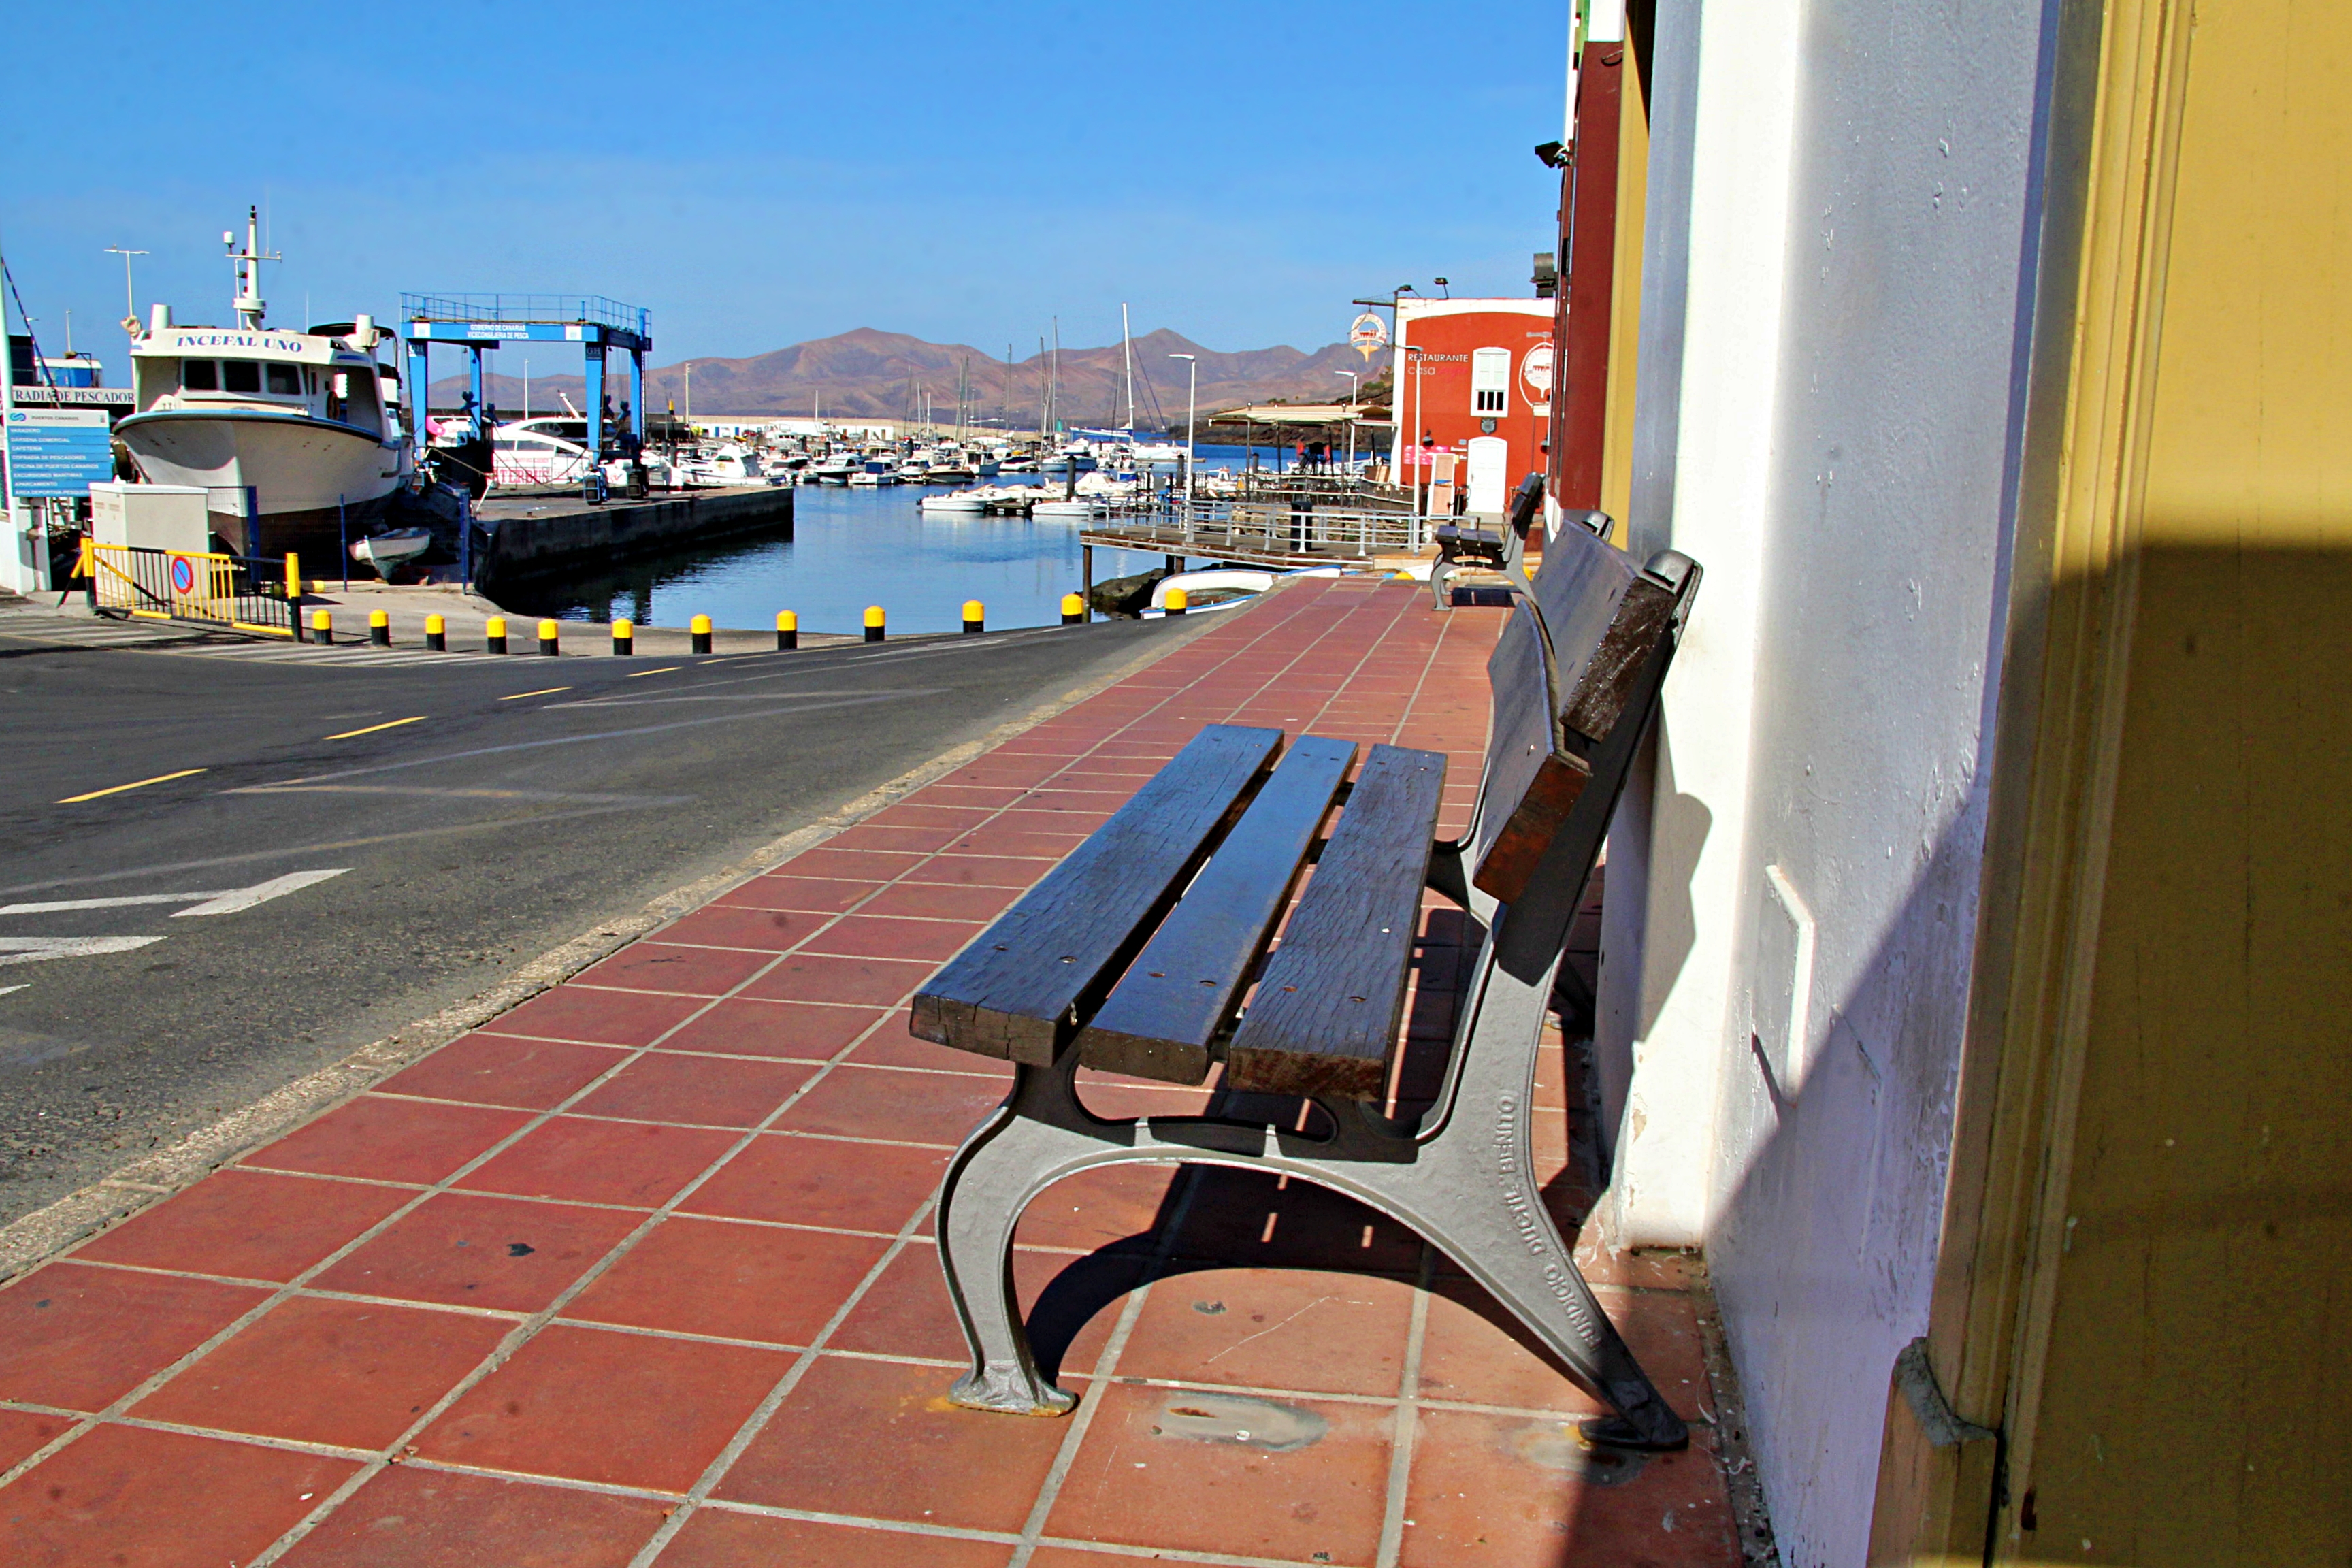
(641, 1271)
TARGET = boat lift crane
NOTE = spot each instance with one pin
(480, 322)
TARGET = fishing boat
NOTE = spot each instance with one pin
(302, 423)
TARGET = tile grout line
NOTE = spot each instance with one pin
(1408, 1418)
(753, 1425)
(1106, 1369)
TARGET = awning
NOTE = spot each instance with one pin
(1297, 414)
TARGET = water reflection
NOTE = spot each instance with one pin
(849, 548)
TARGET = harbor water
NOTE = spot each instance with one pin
(850, 547)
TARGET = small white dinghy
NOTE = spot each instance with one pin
(1224, 587)
(387, 550)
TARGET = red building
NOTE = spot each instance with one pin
(1473, 378)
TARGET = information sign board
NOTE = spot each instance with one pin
(59, 451)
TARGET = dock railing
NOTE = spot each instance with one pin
(521, 308)
(1291, 524)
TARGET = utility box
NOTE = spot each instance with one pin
(151, 517)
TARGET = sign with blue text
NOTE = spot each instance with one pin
(59, 451)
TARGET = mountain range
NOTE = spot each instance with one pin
(875, 374)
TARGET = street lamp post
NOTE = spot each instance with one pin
(1409, 353)
(1191, 399)
(129, 300)
(1352, 377)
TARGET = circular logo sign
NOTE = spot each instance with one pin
(1368, 334)
(1535, 373)
(183, 574)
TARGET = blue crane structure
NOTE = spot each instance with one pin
(479, 322)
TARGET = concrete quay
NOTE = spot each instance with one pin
(545, 533)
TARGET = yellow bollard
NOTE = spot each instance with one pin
(624, 638)
(975, 616)
(322, 628)
(700, 629)
(873, 623)
(436, 634)
(547, 639)
(1175, 603)
(788, 631)
(379, 629)
(494, 634)
(1074, 610)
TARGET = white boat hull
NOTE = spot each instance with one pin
(308, 474)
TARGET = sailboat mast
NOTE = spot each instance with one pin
(1128, 344)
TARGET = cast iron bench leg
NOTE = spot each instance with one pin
(1470, 1190)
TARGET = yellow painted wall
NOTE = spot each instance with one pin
(1626, 295)
(2144, 1279)
(2195, 1403)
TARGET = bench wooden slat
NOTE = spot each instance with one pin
(1599, 686)
(1522, 735)
(1164, 1015)
(1323, 1021)
(1579, 589)
(1019, 988)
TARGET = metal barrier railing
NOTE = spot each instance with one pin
(1299, 525)
(236, 593)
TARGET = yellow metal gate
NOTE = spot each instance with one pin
(236, 593)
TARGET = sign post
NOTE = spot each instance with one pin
(18, 570)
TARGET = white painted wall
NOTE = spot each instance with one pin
(1835, 250)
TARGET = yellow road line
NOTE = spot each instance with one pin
(372, 729)
(664, 670)
(548, 692)
(118, 789)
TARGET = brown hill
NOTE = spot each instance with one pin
(874, 375)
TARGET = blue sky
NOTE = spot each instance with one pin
(763, 174)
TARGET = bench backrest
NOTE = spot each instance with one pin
(1575, 677)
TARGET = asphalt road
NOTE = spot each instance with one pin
(381, 843)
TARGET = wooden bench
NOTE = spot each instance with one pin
(1499, 551)
(1147, 952)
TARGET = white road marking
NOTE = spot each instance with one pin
(121, 903)
(213, 902)
(6, 989)
(34, 948)
(260, 893)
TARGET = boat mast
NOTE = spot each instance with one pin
(1054, 402)
(248, 304)
(1128, 344)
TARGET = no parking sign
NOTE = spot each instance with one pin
(183, 574)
